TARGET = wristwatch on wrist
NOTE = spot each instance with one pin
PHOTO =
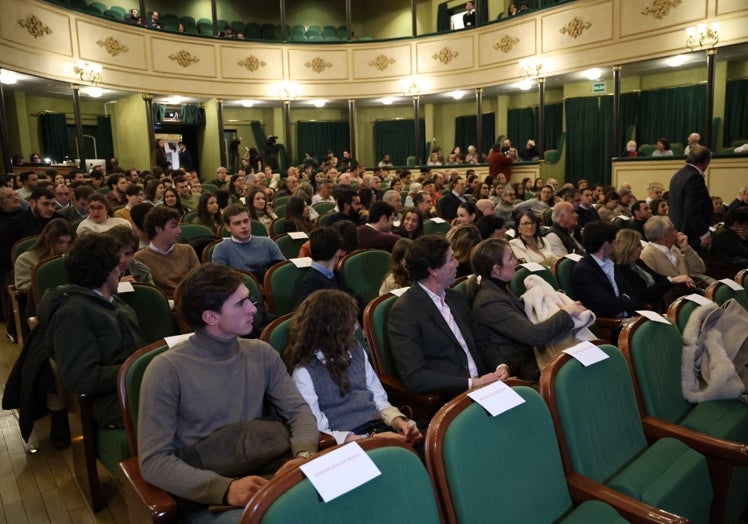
(304, 454)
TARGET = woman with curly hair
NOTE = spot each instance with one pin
(399, 276)
(259, 207)
(333, 373)
(209, 212)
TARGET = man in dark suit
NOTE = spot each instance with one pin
(469, 18)
(595, 281)
(690, 205)
(185, 157)
(431, 327)
(453, 199)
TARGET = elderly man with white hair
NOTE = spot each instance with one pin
(394, 199)
(485, 206)
(565, 236)
(693, 140)
(669, 254)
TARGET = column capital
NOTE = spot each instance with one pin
(617, 68)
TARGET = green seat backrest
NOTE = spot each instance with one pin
(152, 308)
(280, 211)
(439, 204)
(259, 229)
(475, 449)
(646, 149)
(192, 231)
(380, 334)
(134, 378)
(723, 293)
(277, 226)
(364, 272)
(657, 351)
(290, 246)
(324, 220)
(250, 281)
(280, 201)
(48, 274)
(564, 269)
(209, 188)
(189, 217)
(548, 217)
(432, 227)
(402, 493)
(517, 284)
(282, 283)
(23, 245)
(598, 412)
(278, 337)
(324, 207)
(687, 307)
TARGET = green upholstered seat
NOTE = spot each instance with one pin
(562, 269)
(721, 293)
(21, 246)
(280, 210)
(193, 231)
(277, 227)
(517, 284)
(189, 217)
(402, 494)
(276, 333)
(655, 353)
(48, 274)
(252, 284)
(259, 229)
(282, 283)
(435, 227)
(680, 310)
(153, 311)
(548, 217)
(466, 447)
(290, 246)
(324, 207)
(281, 201)
(209, 188)
(599, 421)
(364, 272)
(646, 149)
(324, 220)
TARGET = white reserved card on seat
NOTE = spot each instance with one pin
(699, 299)
(511, 233)
(652, 315)
(496, 398)
(437, 220)
(533, 267)
(176, 339)
(586, 353)
(340, 471)
(301, 262)
(731, 284)
(125, 287)
(296, 235)
(399, 291)
(576, 257)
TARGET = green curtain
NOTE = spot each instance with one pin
(466, 131)
(159, 112)
(396, 137)
(259, 134)
(442, 18)
(584, 144)
(736, 111)
(629, 113)
(672, 113)
(521, 125)
(104, 142)
(55, 143)
(319, 137)
(605, 126)
(192, 114)
(554, 125)
(482, 7)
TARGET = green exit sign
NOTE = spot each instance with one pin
(598, 87)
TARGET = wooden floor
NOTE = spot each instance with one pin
(38, 487)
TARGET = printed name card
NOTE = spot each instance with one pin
(576, 257)
(340, 471)
(437, 220)
(296, 235)
(586, 353)
(652, 315)
(532, 267)
(511, 233)
(699, 299)
(731, 284)
(125, 287)
(496, 398)
(622, 217)
(399, 291)
(301, 262)
(176, 339)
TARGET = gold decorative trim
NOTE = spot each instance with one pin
(576, 27)
(506, 43)
(382, 62)
(34, 26)
(113, 46)
(252, 63)
(318, 64)
(660, 8)
(445, 55)
(184, 58)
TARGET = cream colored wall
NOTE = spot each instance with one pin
(130, 132)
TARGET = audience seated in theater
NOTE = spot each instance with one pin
(491, 226)
(130, 269)
(202, 442)
(467, 213)
(730, 243)
(431, 327)
(243, 250)
(398, 276)
(463, 238)
(98, 219)
(297, 216)
(610, 208)
(348, 233)
(654, 191)
(529, 246)
(641, 212)
(595, 280)
(646, 284)
(394, 199)
(332, 372)
(209, 213)
(376, 234)
(349, 208)
(326, 250)
(134, 195)
(543, 200)
(55, 239)
(174, 201)
(669, 254)
(501, 323)
(411, 226)
(168, 261)
(662, 148)
(453, 199)
(259, 207)
(505, 207)
(137, 214)
(565, 236)
(627, 200)
(117, 184)
(659, 207)
(154, 192)
(78, 210)
(741, 200)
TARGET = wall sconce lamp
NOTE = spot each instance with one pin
(702, 36)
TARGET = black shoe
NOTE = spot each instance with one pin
(59, 430)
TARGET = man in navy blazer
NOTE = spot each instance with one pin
(690, 205)
(431, 356)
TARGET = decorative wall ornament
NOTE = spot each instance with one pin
(318, 64)
(506, 43)
(184, 58)
(113, 46)
(660, 8)
(445, 55)
(34, 26)
(382, 62)
(252, 63)
(576, 27)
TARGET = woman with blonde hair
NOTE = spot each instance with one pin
(463, 238)
(55, 239)
(333, 373)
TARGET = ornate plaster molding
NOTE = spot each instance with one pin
(184, 58)
(252, 63)
(381, 62)
(34, 26)
(445, 55)
(113, 46)
(506, 43)
(576, 27)
(318, 64)
(659, 9)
